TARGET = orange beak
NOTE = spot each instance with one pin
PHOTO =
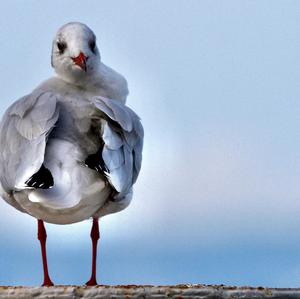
(80, 60)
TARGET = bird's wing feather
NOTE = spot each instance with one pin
(23, 134)
(122, 134)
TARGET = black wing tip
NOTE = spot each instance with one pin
(95, 162)
(42, 179)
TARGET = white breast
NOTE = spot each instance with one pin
(78, 191)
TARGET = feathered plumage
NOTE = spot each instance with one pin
(62, 126)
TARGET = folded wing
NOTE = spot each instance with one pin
(122, 134)
(23, 135)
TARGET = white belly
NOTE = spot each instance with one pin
(78, 192)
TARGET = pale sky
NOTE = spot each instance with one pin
(216, 84)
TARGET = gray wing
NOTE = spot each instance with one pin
(23, 134)
(122, 133)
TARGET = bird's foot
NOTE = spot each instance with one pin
(92, 282)
(47, 283)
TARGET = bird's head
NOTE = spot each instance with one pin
(75, 56)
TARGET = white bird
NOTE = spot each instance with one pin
(71, 149)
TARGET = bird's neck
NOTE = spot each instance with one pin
(90, 80)
(103, 81)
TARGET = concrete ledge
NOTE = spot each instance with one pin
(133, 291)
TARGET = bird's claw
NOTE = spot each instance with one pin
(91, 282)
(48, 283)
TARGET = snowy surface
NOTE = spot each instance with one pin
(132, 291)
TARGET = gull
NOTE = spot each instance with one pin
(71, 149)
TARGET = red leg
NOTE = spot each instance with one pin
(42, 236)
(95, 235)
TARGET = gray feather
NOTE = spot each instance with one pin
(112, 139)
(122, 151)
(23, 133)
(113, 158)
(115, 110)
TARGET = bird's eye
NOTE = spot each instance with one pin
(92, 45)
(61, 47)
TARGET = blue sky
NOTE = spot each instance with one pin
(216, 84)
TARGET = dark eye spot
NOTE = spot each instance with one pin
(61, 46)
(92, 45)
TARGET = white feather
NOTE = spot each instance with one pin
(59, 124)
